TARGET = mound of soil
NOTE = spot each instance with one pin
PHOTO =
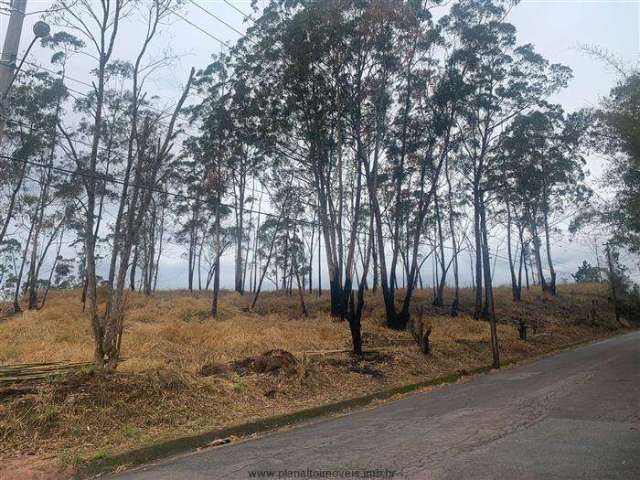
(271, 362)
(275, 360)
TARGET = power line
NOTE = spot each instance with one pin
(179, 15)
(308, 223)
(245, 15)
(186, 197)
(118, 181)
(111, 179)
(81, 82)
(49, 70)
(231, 27)
(288, 150)
(199, 201)
(291, 151)
(35, 12)
(75, 140)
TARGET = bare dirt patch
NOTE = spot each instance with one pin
(29, 467)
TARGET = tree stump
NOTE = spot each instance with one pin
(522, 330)
(421, 332)
(425, 345)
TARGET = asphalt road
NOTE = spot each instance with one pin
(574, 415)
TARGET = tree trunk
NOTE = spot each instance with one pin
(160, 245)
(515, 286)
(356, 310)
(489, 288)
(218, 253)
(374, 254)
(192, 257)
(552, 273)
(53, 269)
(477, 309)
(12, 202)
(16, 296)
(524, 254)
(147, 168)
(303, 306)
(319, 263)
(281, 216)
(536, 252)
(132, 274)
(239, 284)
(454, 243)
(33, 271)
(439, 299)
(199, 261)
(522, 263)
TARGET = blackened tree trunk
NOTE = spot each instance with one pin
(160, 243)
(311, 248)
(132, 273)
(151, 251)
(356, 309)
(193, 242)
(33, 270)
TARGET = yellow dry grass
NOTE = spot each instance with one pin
(159, 394)
(174, 329)
(164, 332)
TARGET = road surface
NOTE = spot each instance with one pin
(574, 415)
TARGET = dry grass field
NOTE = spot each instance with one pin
(185, 373)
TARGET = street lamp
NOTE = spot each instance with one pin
(7, 72)
(40, 30)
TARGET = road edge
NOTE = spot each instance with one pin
(184, 445)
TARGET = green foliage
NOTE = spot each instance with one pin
(542, 158)
(587, 273)
(618, 134)
(628, 292)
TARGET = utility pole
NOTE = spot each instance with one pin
(9, 55)
(612, 281)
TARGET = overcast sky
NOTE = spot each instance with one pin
(556, 27)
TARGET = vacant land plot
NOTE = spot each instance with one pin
(185, 373)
